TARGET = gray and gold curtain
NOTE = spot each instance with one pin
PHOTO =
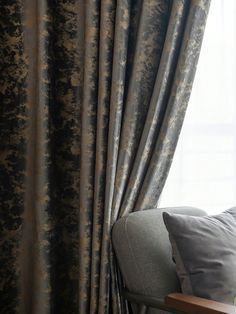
(92, 98)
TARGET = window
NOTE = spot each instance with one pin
(203, 172)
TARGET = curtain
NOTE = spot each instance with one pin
(92, 98)
(203, 172)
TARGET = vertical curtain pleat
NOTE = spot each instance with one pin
(92, 100)
(159, 165)
(38, 249)
(66, 23)
(115, 118)
(29, 219)
(148, 48)
(41, 247)
(88, 138)
(158, 103)
(135, 13)
(106, 42)
(59, 81)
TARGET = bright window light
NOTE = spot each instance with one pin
(203, 172)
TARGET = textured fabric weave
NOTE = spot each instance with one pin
(144, 254)
(92, 99)
(204, 249)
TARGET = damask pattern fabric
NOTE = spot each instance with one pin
(92, 99)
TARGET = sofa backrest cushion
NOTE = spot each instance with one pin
(143, 250)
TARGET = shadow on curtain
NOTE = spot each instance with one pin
(92, 99)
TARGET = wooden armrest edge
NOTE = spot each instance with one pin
(191, 304)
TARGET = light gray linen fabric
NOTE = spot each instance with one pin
(144, 254)
(204, 249)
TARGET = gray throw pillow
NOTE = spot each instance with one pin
(204, 249)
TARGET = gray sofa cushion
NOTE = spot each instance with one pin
(204, 249)
(143, 251)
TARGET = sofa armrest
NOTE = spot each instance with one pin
(195, 305)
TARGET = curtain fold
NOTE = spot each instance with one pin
(175, 109)
(92, 99)
(158, 103)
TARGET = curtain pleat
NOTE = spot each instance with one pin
(88, 141)
(29, 214)
(148, 49)
(115, 119)
(158, 103)
(92, 99)
(66, 24)
(106, 43)
(162, 156)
